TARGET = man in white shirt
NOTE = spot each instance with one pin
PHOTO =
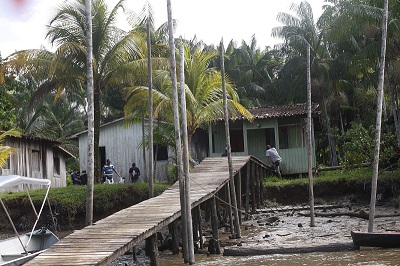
(274, 159)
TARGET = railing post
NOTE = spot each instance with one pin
(173, 231)
(263, 172)
(152, 249)
(229, 205)
(253, 190)
(257, 194)
(239, 194)
(248, 189)
(214, 218)
(198, 209)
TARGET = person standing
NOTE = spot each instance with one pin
(274, 159)
(75, 177)
(107, 172)
(134, 173)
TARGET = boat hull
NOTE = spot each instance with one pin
(12, 253)
(376, 239)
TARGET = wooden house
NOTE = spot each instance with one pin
(120, 144)
(38, 158)
(282, 127)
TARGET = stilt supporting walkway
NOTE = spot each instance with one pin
(111, 237)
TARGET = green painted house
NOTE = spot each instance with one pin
(282, 127)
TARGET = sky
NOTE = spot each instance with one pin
(23, 22)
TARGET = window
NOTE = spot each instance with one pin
(56, 163)
(283, 138)
(237, 140)
(35, 161)
(161, 152)
(291, 136)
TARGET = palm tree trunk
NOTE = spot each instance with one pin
(178, 145)
(89, 66)
(378, 119)
(96, 106)
(228, 144)
(332, 148)
(185, 158)
(395, 107)
(150, 81)
(309, 141)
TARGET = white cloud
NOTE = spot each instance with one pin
(210, 20)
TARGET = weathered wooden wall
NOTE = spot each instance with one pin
(35, 157)
(121, 145)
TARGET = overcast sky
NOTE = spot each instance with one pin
(23, 22)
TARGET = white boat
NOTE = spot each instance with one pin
(23, 247)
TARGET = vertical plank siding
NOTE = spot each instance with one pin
(121, 145)
(34, 157)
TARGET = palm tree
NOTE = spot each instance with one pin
(299, 32)
(118, 58)
(5, 151)
(203, 93)
(253, 71)
(378, 117)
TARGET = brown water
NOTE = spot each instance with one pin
(361, 257)
(375, 257)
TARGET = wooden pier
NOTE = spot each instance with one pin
(109, 238)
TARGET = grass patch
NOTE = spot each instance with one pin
(354, 175)
(70, 202)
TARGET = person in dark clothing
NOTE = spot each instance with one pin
(75, 177)
(134, 173)
(225, 152)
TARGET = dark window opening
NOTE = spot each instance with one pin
(56, 163)
(283, 138)
(237, 140)
(161, 152)
(270, 137)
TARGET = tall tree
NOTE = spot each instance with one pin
(299, 32)
(90, 91)
(374, 181)
(5, 151)
(203, 93)
(117, 58)
(188, 252)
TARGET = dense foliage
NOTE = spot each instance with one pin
(46, 90)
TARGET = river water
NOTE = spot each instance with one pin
(365, 256)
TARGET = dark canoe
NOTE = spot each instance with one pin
(376, 239)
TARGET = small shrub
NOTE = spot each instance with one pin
(396, 202)
(320, 201)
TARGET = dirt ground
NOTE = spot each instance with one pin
(291, 228)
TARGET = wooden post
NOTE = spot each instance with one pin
(248, 189)
(263, 173)
(239, 194)
(257, 186)
(173, 231)
(253, 190)
(200, 226)
(134, 251)
(229, 205)
(195, 227)
(214, 218)
(152, 249)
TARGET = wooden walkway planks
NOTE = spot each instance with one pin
(111, 237)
